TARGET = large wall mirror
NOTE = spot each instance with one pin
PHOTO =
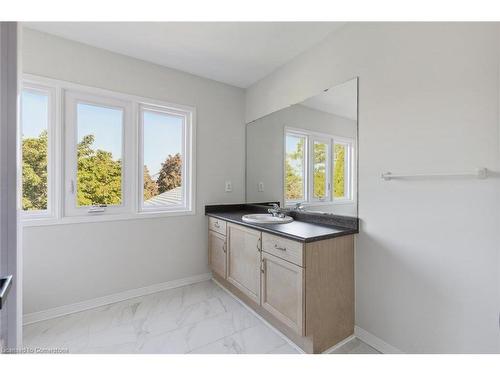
(307, 153)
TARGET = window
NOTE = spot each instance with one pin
(95, 154)
(37, 131)
(99, 155)
(341, 170)
(165, 168)
(121, 157)
(320, 162)
(320, 169)
(295, 167)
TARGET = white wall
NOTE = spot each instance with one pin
(265, 151)
(427, 257)
(71, 263)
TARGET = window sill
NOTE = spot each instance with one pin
(328, 203)
(98, 218)
(322, 203)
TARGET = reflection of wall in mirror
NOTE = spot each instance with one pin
(265, 151)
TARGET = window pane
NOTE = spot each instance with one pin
(320, 150)
(339, 183)
(99, 164)
(294, 168)
(34, 124)
(162, 145)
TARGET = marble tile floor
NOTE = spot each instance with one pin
(198, 318)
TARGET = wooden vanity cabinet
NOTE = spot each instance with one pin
(216, 225)
(217, 249)
(282, 291)
(306, 290)
(243, 260)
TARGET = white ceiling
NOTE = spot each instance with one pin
(340, 100)
(237, 53)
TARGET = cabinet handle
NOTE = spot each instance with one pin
(259, 244)
(216, 224)
(224, 247)
(262, 266)
(279, 248)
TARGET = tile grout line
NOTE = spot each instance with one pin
(225, 337)
(280, 334)
(331, 349)
(197, 322)
(136, 343)
(228, 309)
(222, 338)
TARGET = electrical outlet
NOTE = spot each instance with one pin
(229, 186)
(261, 186)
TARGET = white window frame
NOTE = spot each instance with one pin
(350, 171)
(186, 157)
(58, 150)
(50, 212)
(305, 165)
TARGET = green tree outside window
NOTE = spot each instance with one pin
(35, 190)
(319, 170)
(294, 160)
(339, 171)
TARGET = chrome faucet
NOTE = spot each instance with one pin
(299, 207)
(276, 211)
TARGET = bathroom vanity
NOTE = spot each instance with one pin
(298, 276)
(295, 267)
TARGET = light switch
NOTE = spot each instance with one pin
(261, 186)
(229, 186)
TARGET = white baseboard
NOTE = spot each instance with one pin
(112, 298)
(375, 342)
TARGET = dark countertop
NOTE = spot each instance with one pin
(296, 230)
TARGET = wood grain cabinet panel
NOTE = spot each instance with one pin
(217, 225)
(306, 290)
(283, 248)
(282, 292)
(243, 260)
(217, 253)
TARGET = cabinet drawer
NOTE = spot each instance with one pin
(217, 225)
(283, 248)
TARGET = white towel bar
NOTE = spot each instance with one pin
(480, 173)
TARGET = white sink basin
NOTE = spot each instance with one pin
(266, 219)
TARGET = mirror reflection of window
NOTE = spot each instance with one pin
(323, 160)
(339, 171)
(295, 168)
(307, 153)
(320, 178)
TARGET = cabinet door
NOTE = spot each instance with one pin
(217, 253)
(243, 260)
(283, 291)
